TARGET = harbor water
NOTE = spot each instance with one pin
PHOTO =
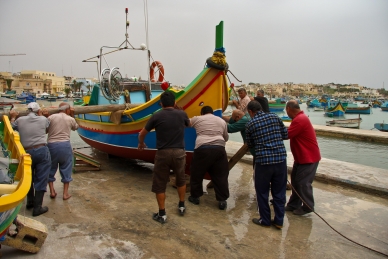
(357, 152)
(352, 151)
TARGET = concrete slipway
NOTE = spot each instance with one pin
(109, 216)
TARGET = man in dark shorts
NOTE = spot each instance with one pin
(169, 124)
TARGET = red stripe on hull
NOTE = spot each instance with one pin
(203, 90)
(110, 132)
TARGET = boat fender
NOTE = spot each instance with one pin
(165, 86)
(210, 63)
(161, 71)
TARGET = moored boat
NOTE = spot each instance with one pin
(337, 110)
(277, 105)
(117, 134)
(382, 126)
(355, 109)
(384, 106)
(346, 123)
(318, 109)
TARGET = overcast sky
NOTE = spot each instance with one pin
(266, 41)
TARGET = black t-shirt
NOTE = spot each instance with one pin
(169, 125)
(263, 102)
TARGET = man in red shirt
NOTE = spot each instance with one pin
(304, 148)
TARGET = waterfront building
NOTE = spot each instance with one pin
(33, 81)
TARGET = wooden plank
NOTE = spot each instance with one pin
(239, 154)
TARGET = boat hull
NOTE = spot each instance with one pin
(381, 126)
(361, 110)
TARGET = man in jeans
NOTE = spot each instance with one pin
(266, 132)
(32, 130)
(169, 124)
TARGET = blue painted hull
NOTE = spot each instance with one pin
(357, 111)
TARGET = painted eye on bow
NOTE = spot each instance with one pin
(201, 104)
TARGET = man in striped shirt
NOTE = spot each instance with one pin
(266, 132)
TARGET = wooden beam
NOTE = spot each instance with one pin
(84, 109)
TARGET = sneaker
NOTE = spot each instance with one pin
(260, 222)
(300, 211)
(182, 210)
(194, 200)
(288, 208)
(276, 225)
(222, 205)
(160, 219)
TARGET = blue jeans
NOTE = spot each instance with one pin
(62, 156)
(41, 164)
(275, 177)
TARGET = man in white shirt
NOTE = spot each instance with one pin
(243, 100)
(209, 156)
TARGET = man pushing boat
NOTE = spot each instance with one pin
(169, 124)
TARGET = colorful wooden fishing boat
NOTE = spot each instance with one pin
(12, 195)
(117, 134)
(338, 110)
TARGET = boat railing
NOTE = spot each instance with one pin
(13, 195)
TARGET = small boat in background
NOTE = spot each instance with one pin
(338, 109)
(346, 123)
(314, 103)
(276, 106)
(319, 109)
(353, 108)
(382, 126)
(384, 106)
(376, 104)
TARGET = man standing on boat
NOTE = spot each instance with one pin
(61, 124)
(32, 130)
(266, 132)
(244, 100)
(304, 148)
(209, 156)
(169, 124)
(262, 100)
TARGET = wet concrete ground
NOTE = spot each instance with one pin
(109, 216)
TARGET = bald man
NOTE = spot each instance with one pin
(236, 122)
(61, 124)
(304, 148)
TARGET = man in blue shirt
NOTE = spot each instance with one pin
(266, 132)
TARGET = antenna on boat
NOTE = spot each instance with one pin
(110, 78)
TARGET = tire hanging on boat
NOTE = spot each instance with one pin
(212, 64)
(161, 71)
